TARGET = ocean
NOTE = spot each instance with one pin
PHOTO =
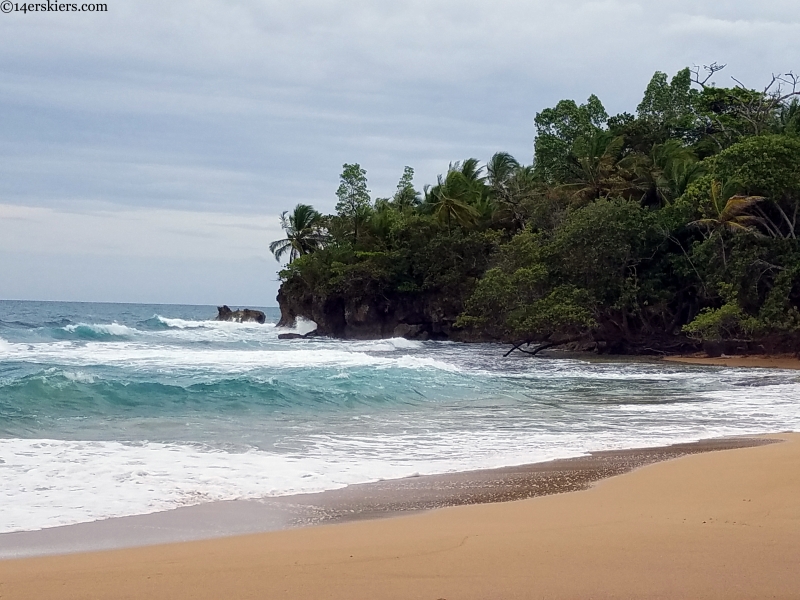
(110, 410)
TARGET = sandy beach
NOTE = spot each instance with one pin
(711, 525)
(767, 361)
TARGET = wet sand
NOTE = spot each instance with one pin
(767, 361)
(705, 525)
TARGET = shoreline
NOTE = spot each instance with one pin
(761, 361)
(359, 502)
(710, 525)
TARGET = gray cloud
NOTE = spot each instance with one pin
(187, 109)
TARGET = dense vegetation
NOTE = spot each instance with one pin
(630, 232)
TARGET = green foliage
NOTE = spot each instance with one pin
(599, 246)
(516, 298)
(662, 175)
(563, 309)
(557, 129)
(304, 233)
(728, 321)
(352, 192)
(541, 286)
(592, 165)
(767, 165)
(787, 120)
(728, 115)
(777, 314)
(715, 324)
(406, 196)
(669, 108)
(457, 197)
(354, 205)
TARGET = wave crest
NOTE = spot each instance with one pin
(387, 345)
(98, 331)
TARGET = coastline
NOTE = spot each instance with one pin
(766, 361)
(707, 525)
(375, 500)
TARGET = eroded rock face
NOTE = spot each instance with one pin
(244, 315)
(409, 316)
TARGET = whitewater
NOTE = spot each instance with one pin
(109, 410)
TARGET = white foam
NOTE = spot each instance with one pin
(212, 324)
(425, 362)
(387, 345)
(169, 358)
(104, 328)
(304, 326)
(79, 376)
(48, 483)
(74, 376)
(181, 323)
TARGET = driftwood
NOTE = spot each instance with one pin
(540, 347)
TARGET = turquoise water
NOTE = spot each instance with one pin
(117, 409)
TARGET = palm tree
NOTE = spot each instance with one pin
(593, 163)
(470, 169)
(460, 195)
(304, 233)
(500, 169)
(788, 118)
(679, 174)
(664, 174)
(510, 185)
(729, 213)
(453, 198)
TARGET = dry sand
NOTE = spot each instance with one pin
(766, 361)
(714, 525)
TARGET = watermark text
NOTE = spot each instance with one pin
(7, 6)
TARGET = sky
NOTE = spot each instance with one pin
(147, 152)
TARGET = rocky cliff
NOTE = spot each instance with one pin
(409, 316)
(431, 317)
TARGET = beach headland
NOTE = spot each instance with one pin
(706, 525)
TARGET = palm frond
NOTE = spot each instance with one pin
(280, 247)
(736, 205)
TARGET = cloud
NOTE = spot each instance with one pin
(102, 252)
(250, 106)
(111, 232)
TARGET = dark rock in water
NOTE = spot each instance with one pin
(244, 315)
(297, 336)
(405, 330)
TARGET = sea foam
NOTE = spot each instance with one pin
(140, 355)
(101, 329)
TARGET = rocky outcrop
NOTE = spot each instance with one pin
(297, 336)
(244, 315)
(410, 316)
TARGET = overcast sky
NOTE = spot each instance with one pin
(146, 152)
